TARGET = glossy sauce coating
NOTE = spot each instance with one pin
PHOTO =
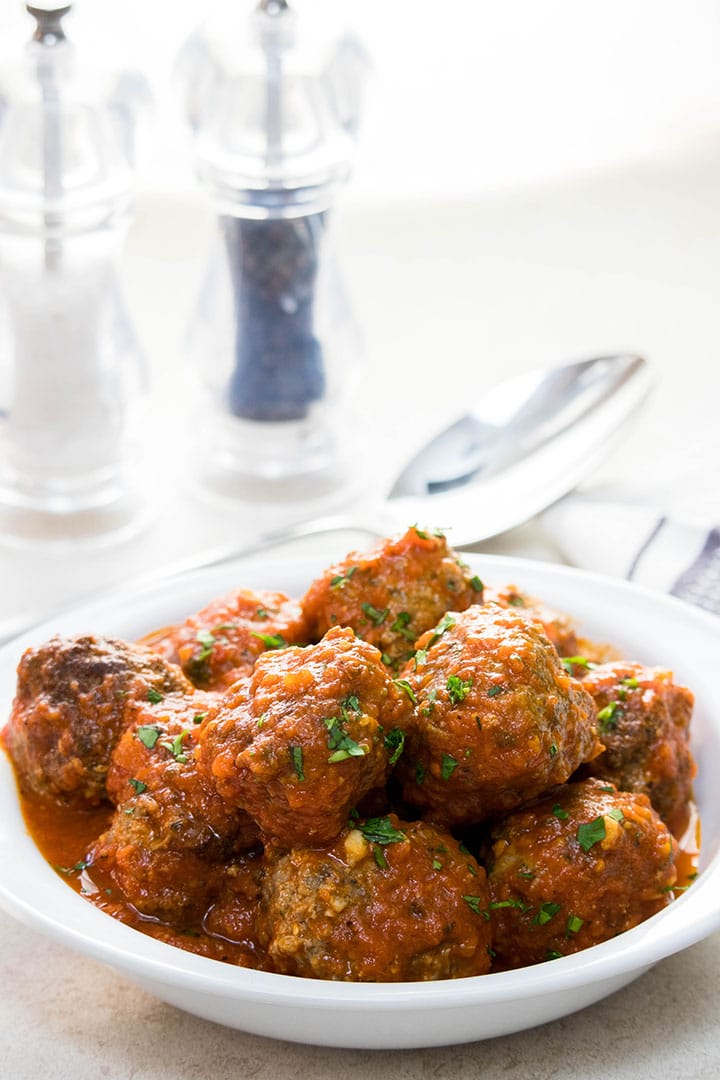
(496, 718)
(585, 863)
(393, 593)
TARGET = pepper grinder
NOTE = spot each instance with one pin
(71, 370)
(273, 100)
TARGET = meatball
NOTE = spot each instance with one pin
(222, 642)
(643, 722)
(393, 593)
(558, 627)
(302, 741)
(496, 718)
(171, 831)
(75, 697)
(387, 901)
(582, 865)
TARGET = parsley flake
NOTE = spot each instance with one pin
(341, 579)
(199, 717)
(574, 924)
(380, 830)
(558, 812)
(207, 642)
(394, 744)
(154, 696)
(547, 912)
(379, 857)
(405, 686)
(446, 623)
(271, 641)
(148, 734)
(475, 905)
(296, 756)
(448, 767)
(476, 584)
(608, 717)
(400, 626)
(458, 689)
(137, 785)
(591, 833)
(494, 691)
(374, 614)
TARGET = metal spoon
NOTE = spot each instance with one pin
(527, 442)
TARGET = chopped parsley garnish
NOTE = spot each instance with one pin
(574, 924)
(419, 772)
(528, 874)
(448, 767)
(559, 812)
(607, 717)
(407, 688)
(609, 788)
(175, 747)
(419, 657)
(477, 584)
(199, 717)
(350, 704)
(76, 869)
(436, 864)
(154, 696)
(516, 600)
(553, 954)
(546, 913)
(512, 903)
(148, 734)
(296, 756)
(380, 830)
(394, 744)
(262, 613)
(475, 904)
(379, 857)
(340, 743)
(271, 641)
(400, 625)
(429, 703)
(553, 750)
(207, 642)
(494, 691)
(569, 662)
(630, 682)
(137, 785)
(616, 814)
(446, 623)
(341, 579)
(375, 616)
(590, 833)
(458, 689)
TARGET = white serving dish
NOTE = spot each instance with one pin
(646, 626)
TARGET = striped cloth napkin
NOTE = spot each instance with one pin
(655, 548)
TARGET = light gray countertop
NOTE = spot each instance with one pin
(628, 260)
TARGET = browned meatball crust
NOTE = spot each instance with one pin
(387, 901)
(582, 865)
(304, 740)
(557, 626)
(221, 643)
(644, 724)
(171, 831)
(75, 697)
(496, 719)
(393, 593)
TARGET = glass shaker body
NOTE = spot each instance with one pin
(273, 336)
(71, 371)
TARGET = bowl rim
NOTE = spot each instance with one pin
(94, 933)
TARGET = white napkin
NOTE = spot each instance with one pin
(641, 543)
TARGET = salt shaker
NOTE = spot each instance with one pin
(71, 371)
(273, 98)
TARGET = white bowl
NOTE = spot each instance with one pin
(646, 626)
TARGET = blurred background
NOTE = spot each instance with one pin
(470, 96)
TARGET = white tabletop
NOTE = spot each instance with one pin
(451, 298)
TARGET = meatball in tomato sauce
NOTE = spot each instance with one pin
(644, 725)
(221, 643)
(583, 865)
(387, 901)
(557, 627)
(171, 831)
(496, 718)
(74, 699)
(305, 739)
(393, 593)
